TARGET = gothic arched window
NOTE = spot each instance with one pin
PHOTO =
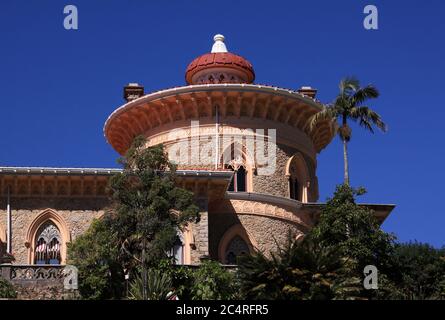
(238, 183)
(47, 245)
(299, 178)
(236, 248)
(234, 159)
(295, 189)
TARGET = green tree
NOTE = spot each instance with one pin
(138, 230)
(349, 106)
(354, 230)
(301, 270)
(149, 209)
(329, 262)
(95, 253)
(422, 271)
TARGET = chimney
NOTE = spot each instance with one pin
(133, 91)
(308, 91)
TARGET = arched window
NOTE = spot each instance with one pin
(236, 248)
(234, 158)
(239, 180)
(298, 178)
(48, 245)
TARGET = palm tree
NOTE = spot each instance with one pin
(300, 270)
(349, 106)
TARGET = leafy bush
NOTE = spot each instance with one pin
(354, 230)
(7, 290)
(299, 271)
(95, 254)
(212, 282)
(421, 271)
(182, 278)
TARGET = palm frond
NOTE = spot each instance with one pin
(367, 118)
(349, 85)
(327, 113)
(363, 94)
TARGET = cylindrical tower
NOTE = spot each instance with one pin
(222, 121)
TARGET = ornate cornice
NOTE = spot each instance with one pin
(235, 101)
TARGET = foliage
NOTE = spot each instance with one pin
(158, 286)
(182, 278)
(7, 290)
(422, 271)
(149, 208)
(141, 227)
(95, 254)
(354, 231)
(348, 105)
(301, 270)
(212, 282)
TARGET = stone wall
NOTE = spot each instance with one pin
(200, 245)
(268, 232)
(264, 232)
(277, 184)
(219, 223)
(78, 213)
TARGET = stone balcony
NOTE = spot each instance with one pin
(38, 282)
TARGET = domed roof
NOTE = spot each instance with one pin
(219, 66)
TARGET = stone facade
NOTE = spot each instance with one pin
(77, 214)
(199, 247)
(277, 184)
(264, 233)
(261, 222)
(267, 233)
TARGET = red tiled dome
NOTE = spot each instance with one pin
(231, 67)
(218, 60)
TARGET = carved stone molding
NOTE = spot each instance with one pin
(249, 207)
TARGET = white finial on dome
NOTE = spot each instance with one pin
(219, 45)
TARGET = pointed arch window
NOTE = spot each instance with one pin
(234, 159)
(239, 180)
(48, 245)
(236, 248)
(298, 178)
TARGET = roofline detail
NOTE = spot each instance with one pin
(102, 171)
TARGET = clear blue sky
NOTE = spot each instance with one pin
(58, 87)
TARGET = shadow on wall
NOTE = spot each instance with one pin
(228, 239)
